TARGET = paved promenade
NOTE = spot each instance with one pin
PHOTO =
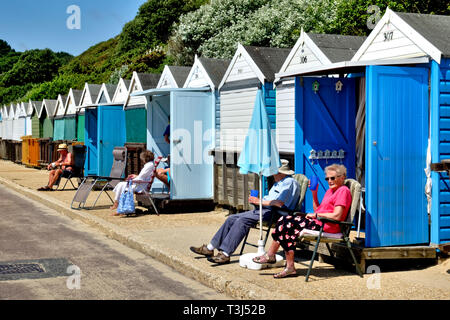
(167, 238)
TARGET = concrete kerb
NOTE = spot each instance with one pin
(234, 288)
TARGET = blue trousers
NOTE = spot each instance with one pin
(233, 231)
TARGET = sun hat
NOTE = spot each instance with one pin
(284, 169)
(62, 146)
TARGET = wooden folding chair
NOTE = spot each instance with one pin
(345, 226)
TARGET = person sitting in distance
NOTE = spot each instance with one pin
(63, 166)
(146, 174)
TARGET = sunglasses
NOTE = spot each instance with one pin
(331, 178)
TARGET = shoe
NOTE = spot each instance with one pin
(220, 258)
(285, 273)
(46, 188)
(203, 250)
(265, 259)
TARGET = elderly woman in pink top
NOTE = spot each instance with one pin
(335, 205)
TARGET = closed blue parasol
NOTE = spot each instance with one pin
(259, 153)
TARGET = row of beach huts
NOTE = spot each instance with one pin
(378, 104)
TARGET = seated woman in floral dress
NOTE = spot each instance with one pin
(335, 205)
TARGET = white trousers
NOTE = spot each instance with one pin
(118, 189)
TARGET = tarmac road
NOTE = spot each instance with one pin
(68, 260)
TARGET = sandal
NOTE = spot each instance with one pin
(46, 188)
(285, 273)
(265, 259)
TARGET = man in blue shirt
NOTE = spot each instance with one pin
(284, 194)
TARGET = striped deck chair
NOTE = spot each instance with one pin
(115, 176)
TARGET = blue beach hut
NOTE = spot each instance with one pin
(400, 126)
(191, 112)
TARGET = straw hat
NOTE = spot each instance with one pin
(284, 169)
(62, 146)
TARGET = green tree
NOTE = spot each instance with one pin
(352, 15)
(153, 23)
(33, 66)
(5, 48)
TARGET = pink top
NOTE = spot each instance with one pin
(340, 197)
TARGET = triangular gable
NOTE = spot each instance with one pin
(198, 76)
(89, 94)
(19, 112)
(23, 108)
(37, 106)
(305, 52)
(29, 108)
(121, 93)
(242, 67)
(49, 106)
(393, 38)
(60, 109)
(4, 112)
(104, 95)
(11, 111)
(72, 101)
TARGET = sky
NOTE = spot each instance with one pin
(63, 25)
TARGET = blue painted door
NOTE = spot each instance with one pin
(396, 145)
(192, 136)
(111, 134)
(324, 123)
(90, 122)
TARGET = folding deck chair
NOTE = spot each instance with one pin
(343, 236)
(145, 196)
(79, 154)
(117, 171)
(303, 183)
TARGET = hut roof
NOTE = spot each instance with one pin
(337, 47)
(215, 68)
(268, 60)
(434, 28)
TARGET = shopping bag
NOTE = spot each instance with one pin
(126, 200)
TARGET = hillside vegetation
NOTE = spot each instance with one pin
(173, 31)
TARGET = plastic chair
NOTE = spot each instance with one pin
(345, 226)
(79, 154)
(302, 180)
(116, 175)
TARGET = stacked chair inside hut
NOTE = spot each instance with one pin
(89, 182)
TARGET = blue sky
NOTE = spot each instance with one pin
(39, 24)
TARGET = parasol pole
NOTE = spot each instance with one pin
(260, 208)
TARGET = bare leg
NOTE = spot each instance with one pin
(162, 175)
(115, 205)
(54, 175)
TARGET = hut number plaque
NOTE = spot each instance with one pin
(388, 35)
(303, 59)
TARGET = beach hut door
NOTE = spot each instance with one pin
(396, 144)
(192, 136)
(324, 127)
(91, 142)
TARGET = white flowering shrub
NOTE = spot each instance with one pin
(216, 28)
